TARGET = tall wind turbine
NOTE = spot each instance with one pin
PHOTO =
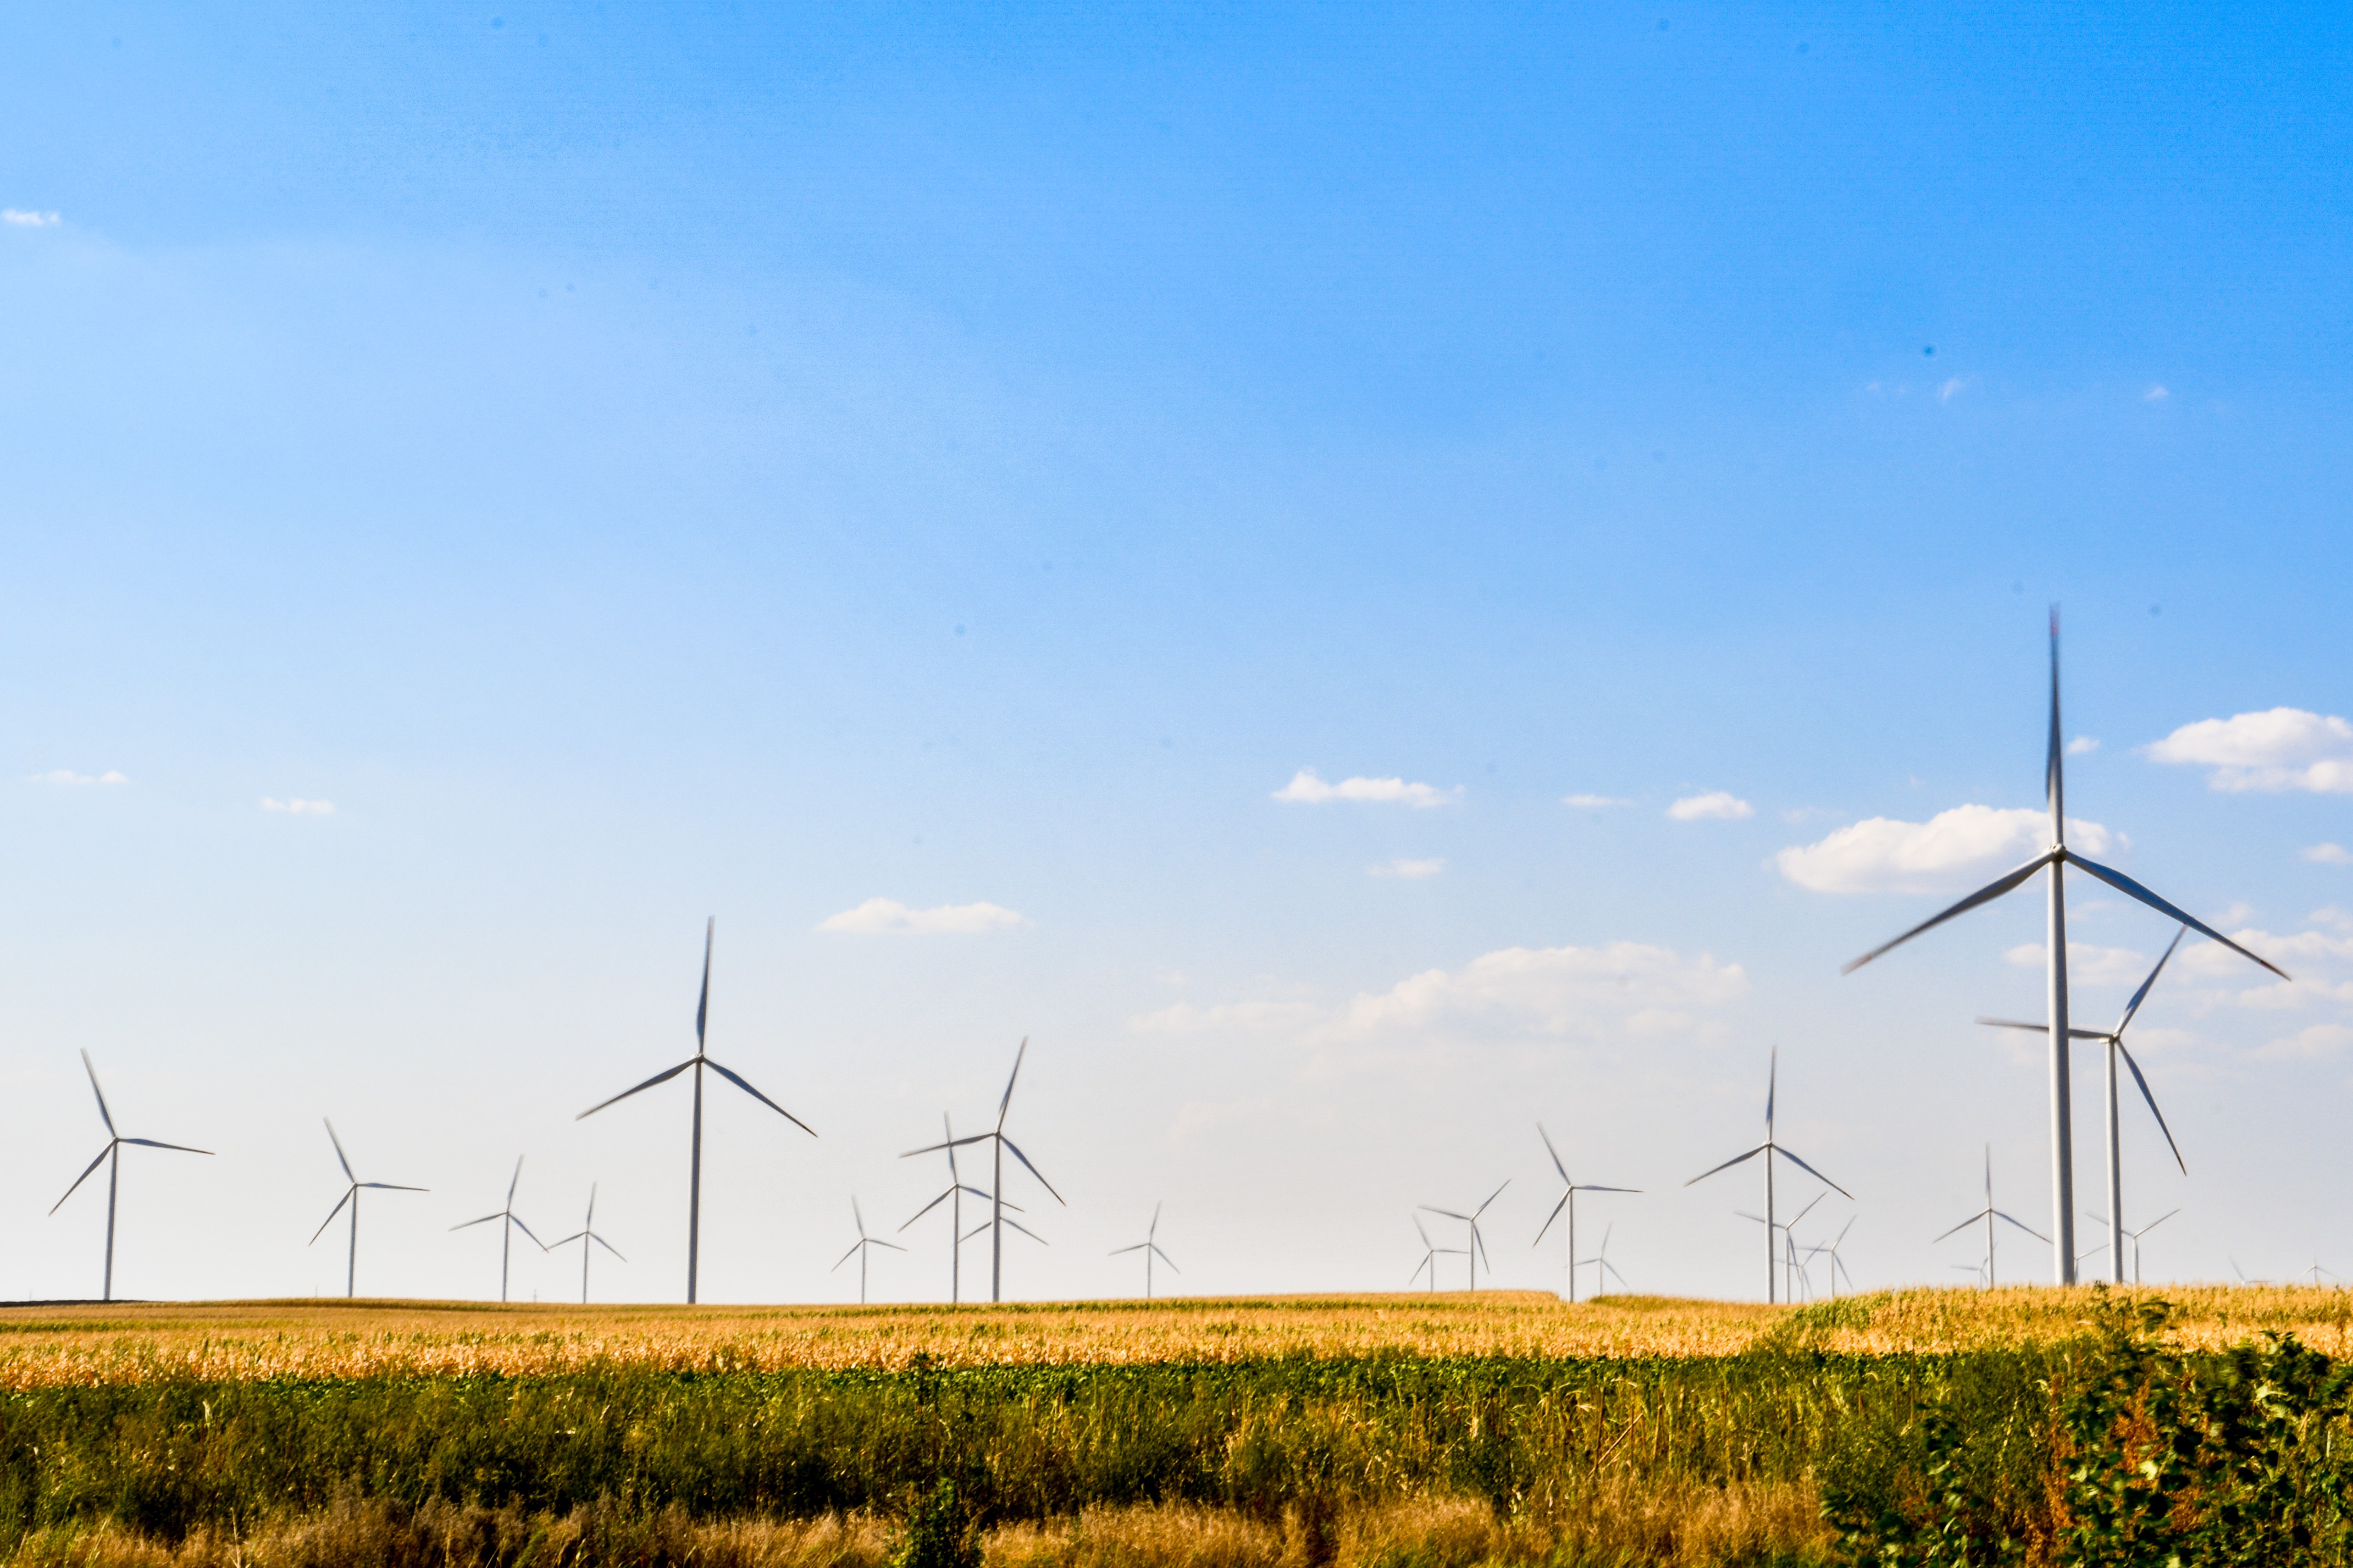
(2116, 1043)
(2057, 858)
(352, 1196)
(1151, 1249)
(997, 1204)
(1477, 1249)
(1988, 1214)
(698, 1061)
(954, 1198)
(863, 1247)
(1768, 1149)
(1570, 1190)
(1430, 1254)
(589, 1241)
(113, 1152)
(506, 1231)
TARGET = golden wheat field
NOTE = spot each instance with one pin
(128, 1342)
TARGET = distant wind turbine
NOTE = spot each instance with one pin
(1430, 1254)
(2114, 1040)
(862, 1247)
(1768, 1149)
(997, 1204)
(589, 1241)
(2134, 1236)
(352, 1196)
(698, 1061)
(2057, 858)
(506, 1231)
(1838, 1265)
(1787, 1243)
(1151, 1249)
(112, 1157)
(1988, 1214)
(954, 1198)
(1477, 1249)
(1601, 1264)
(1569, 1189)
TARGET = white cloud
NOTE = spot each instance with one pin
(300, 807)
(1946, 853)
(67, 776)
(2324, 854)
(889, 917)
(2081, 746)
(1945, 392)
(2087, 964)
(1591, 802)
(2155, 393)
(2317, 1040)
(1247, 1017)
(1719, 806)
(21, 219)
(2280, 749)
(1306, 789)
(1410, 870)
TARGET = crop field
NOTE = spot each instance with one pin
(1397, 1431)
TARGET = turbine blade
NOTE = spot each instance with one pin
(976, 1230)
(929, 1207)
(1554, 1153)
(1984, 895)
(151, 1144)
(1963, 1225)
(1450, 1213)
(2124, 884)
(739, 1082)
(605, 1244)
(1704, 1176)
(340, 1159)
(2153, 1111)
(331, 1213)
(514, 1180)
(2027, 1228)
(526, 1230)
(930, 1149)
(93, 1166)
(1027, 1232)
(1550, 1217)
(484, 1220)
(847, 1255)
(1417, 1230)
(877, 1241)
(1594, 1187)
(1011, 1080)
(1165, 1258)
(2139, 996)
(103, 1114)
(568, 1240)
(1772, 1090)
(702, 1003)
(658, 1077)
(1015, 1150)
(390, 1187)
(1493, 1195)
(2040, 1028)
(2154, 1223)
(1811, 1171)
(1122, 1251)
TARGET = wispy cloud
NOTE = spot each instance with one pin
(2082, 746)
(2088, 964)
(2279, 749)
(1409, 870)
(67, 776)
(1716, 805)
(300, 807)
(2155, 393)
(1306, 788)
(1883, 854)
(2324, 854)
(1952, 388)
(889, 917)
(1592, 802)
(21, 219)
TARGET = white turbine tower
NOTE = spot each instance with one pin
(698, 1061)
(352, 1196)
(1768, 1149)
(1151, 1249)
(1988, 1214)
(2057, 858)
(997, 1204)
(1477, 1249)
(506, 1231)
(589, 1241)
(113, 1152)
(1569, 1189)
(2114, 1040)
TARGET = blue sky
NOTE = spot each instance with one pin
(641, 466)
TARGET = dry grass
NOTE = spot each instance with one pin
(1694, 1527)
(42, 1346)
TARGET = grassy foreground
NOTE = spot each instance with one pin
(1402, 1431)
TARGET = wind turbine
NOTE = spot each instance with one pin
(1601, 1261)
(2134, 1236)
(1151, 1249)
(1988, 1214)
(589, 1241)
(506, 1232)
(2057, 858)
(352, 1196)
(1838, 1265)
(864, 1245)
(2317, 1271)
(954, 1198)
(1570, 1190)
(1768, 1149)
(1430, 1254)
(997, 1204)
(111, 1152)
(1788, 1242)
(698, 1061)
(1478, 1247)
(2115, 1044)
